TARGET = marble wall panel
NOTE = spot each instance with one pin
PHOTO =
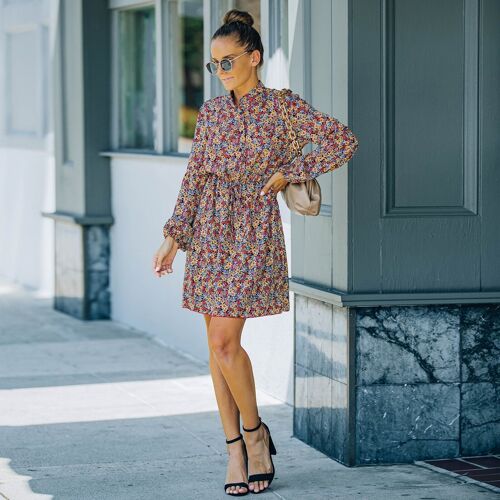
(480, 328)
(407, 344)
(426, 381)
(480, 418)
(402, 423)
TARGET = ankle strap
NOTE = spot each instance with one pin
(235, 439)
(255, 428)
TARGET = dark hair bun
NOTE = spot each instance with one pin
(235, 15)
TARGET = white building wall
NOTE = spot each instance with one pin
(26, 146)
(27, 238)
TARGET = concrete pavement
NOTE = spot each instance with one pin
(97, 410)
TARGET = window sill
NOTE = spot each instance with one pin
(142, 154)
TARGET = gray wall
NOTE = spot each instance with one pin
(425, 180)
(82, 90)
(319, 244)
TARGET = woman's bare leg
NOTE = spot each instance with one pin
(224, 335)
(230, 418)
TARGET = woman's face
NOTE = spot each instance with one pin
(243, 67)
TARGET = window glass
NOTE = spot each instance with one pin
(190, 68)
(136, 81)
(253, 7)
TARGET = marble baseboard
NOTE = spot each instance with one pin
(313, 337)
(480, 418)
(301, 406)
(480, 349)
(320, 414)
(69, 269)
(422, 347)
(403, 423)
(424, 381)
(398, 345)
(82, 270)
(97, 248)
(321, 338)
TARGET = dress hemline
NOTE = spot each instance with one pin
(270, 312)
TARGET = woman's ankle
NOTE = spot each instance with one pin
(254, 437)
(248, 429)
(236, 449)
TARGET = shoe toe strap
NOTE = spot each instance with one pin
(260, 477)
(244, 485)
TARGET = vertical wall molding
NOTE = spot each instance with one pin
(468, 204)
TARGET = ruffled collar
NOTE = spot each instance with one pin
(246, 97)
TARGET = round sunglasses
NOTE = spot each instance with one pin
(225, 64)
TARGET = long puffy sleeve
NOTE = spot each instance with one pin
(336, 143)
(180, 225)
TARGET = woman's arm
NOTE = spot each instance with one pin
(180, 225)
(336, 142)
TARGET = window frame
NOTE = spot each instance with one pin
(167, 105)
(118, 6)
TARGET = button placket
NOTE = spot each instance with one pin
(243, 136)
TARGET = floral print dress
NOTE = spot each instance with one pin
(236, 263)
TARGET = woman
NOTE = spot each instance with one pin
(228, 221)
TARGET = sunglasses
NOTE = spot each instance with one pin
(225, 64)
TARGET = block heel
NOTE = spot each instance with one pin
(272, 449)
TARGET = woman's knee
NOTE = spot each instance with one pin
(222, 345)
(224, 338)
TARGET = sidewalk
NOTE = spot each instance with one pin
(95, 410)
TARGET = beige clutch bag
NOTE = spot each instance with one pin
(303, 198)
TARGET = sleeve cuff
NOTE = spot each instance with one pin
(180, 231)
(289, 170)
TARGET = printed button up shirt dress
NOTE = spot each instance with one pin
(236, 262)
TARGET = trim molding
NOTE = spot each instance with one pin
(142, 154)
(82, 220)
(470, 166)
(343, 299)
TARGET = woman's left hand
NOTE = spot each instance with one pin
(276, 183)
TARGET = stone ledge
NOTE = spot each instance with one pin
(82, 220)
(343, 299)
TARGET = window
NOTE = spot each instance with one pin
(190, 78)
(136, 79)
(278, 67)
(251, 6)
(159, 78)
(278, 29)
(158, 74)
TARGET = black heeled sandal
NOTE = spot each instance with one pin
(243, 485)
(264, 476)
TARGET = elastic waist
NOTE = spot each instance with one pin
(243, 183)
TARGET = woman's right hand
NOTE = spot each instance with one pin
(164, 257)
